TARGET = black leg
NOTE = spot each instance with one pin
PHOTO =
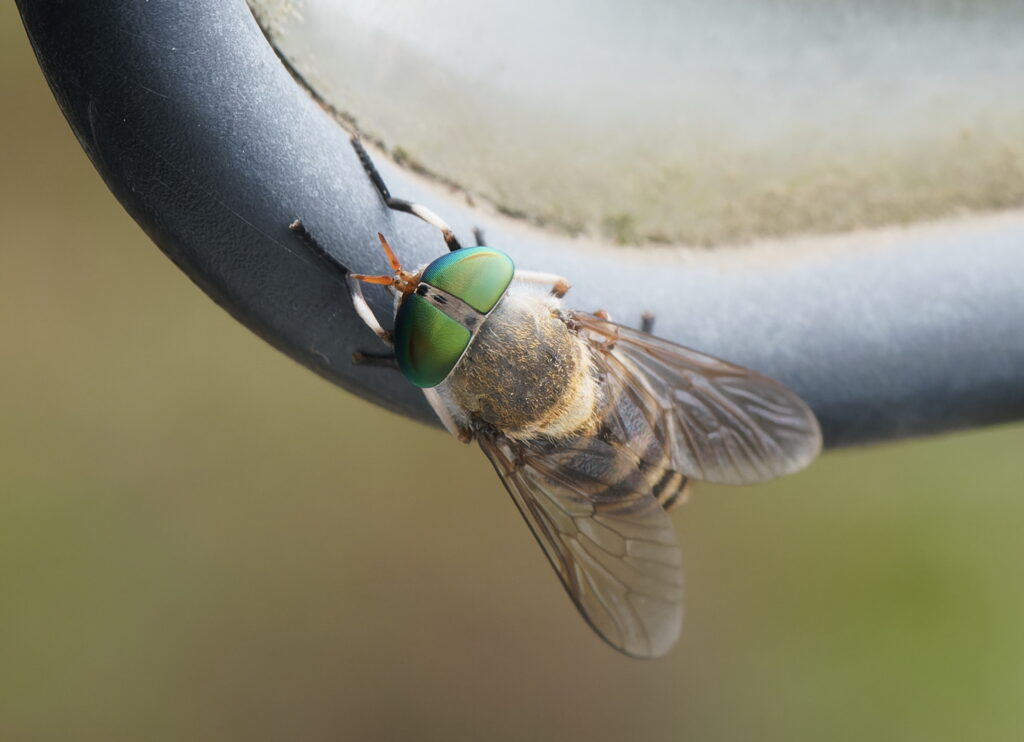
(355, 288)
(478, 236)
(299, 230)
(375, 360)
(371, 169)
(399, 204)
(647, 322)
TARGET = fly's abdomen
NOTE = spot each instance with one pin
(628, 423)
(600, 469)
(671, 489)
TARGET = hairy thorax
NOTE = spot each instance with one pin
(526, 373)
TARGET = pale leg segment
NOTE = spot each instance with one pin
(366, 314)
(559, 286)
(355, 289)
(399, 204)
(465, 435)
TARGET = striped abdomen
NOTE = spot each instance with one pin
(620, 454)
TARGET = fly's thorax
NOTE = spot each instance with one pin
(526, 373)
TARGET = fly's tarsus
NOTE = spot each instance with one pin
(375, 360)
(299, 229)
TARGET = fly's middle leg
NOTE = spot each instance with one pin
(559, 286)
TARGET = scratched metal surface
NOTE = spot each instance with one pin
(213, 148)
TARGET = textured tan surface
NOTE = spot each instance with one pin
(524, 352)
(685, 122)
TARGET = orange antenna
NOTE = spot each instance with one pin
(402, 280)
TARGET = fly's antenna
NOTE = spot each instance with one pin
(401, 280)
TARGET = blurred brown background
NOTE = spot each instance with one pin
(199, 539)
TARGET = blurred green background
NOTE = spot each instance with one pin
(199, 539)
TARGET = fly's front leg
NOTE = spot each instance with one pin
(399, 204)
(366, 314)
(355, 289)
(299, 229)
(376, 360)
(559, 286)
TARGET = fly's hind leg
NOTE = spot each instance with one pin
(647, 322)
(609, 342)
(399, 204)
(646, 325)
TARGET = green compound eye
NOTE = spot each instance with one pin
(428, 343)
(477, 275)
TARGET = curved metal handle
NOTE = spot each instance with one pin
(199, 130)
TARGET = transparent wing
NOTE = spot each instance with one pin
(719, 422)
(609, 540)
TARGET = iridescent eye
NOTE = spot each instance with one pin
(428, 343)
(477, 275)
